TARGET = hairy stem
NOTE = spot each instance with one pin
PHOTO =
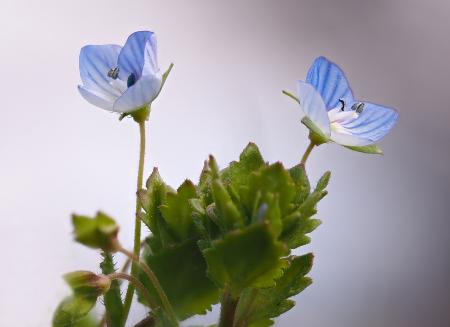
(307, 153)
(136, 283)
(227, 310)
(155, 282)
(137, 226)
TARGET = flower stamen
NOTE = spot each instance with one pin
(113, 73)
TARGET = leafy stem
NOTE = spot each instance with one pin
(137, 226)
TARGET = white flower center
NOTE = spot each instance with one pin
(338, 118)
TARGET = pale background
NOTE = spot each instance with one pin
(382, 254)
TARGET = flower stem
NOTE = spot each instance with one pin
(227, 310)
(307, 153)
(136, 283)
(137, 226)
(155, 282)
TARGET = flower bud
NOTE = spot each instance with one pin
(87, 283)
(99, 232)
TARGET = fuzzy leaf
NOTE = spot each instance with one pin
(258, 307)
(181, 270)
(72, 310)
(300, 179)
(243, 256)
(177, 210)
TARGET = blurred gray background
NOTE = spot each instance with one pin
(382, 253)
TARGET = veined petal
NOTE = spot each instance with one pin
(95, 62)
(138, 56)
(139, 95)
(349, 139)
(96, 98)
(374, 122)
(313, 106)
(330, 81)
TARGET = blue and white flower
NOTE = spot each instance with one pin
(121, 79)
(333, 114)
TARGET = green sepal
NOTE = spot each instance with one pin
(73, 310)
(181, 270)
(112, 298)
(177, 211)
(99, 232)
(257, 307)
(315, 133)
(244, 255)
(370, 149)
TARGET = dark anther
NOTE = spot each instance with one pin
(358, 107)
(131, 80)
(113, 73)
(342, 104)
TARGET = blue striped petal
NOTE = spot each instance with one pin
(349, 139)
(313, 106)
(138, 56)
(330, 81)
(95, 62)
(139, 95)
(374, 122)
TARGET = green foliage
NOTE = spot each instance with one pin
(257, 306)
(231, 232)
(73, 310)
(99, 232)
(243, 256)
(181, 270)
(231, 236)
(112, 299)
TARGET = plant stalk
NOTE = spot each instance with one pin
(137, 226)
(228, 309)
(307, 153)
(136, 283)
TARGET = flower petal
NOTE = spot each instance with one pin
(374, 122)
(330, 81)
(313, 106)
(349, 139)
(138, 55)
(139, 95)
(98, 99)
(95, 62)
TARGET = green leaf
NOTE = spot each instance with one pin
(370, 149)
(72, 310)
(112, 299)
(295, 235)
(258, 307)
(181, 270)
(151, 199)
(273, 179)
(243, 256)
(177, 210)
(300, 179)
(99, 232)
(238, 173)
(229, 215)
(323, 182)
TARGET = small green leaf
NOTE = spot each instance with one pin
(258, 307)
(181, 270)
(243, 256)
(99, 232)
(177, 210)
(229, 215)
(323, 182)
(302, 187)
(370, 149)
